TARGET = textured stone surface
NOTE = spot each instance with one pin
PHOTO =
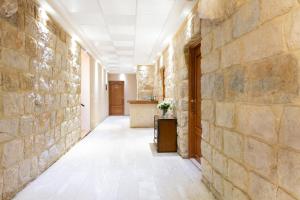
(237, 174)
(207, 110)
(219, 162)
(216, 137)
(12, 38)
(207, 86)
(225, 114)
(219, 88)
(205, 130)
(260, 44)
(12, 153)
(207, 44)
(232, 53)
(8, 8)
(10, 184)
(288, 171)
(276, 76)
(207, 169)
(235, 80)
(13, 58)
(206, 150)
(250, 102)
(258, 121)
(273, 8)
(145, 78)
(27, 125)
(233, 145)
(289, 128)
(293, 29)
(38, 70)
(13, 104)
(222, 33)
(247, 18)
(231, 192)
(260, 188)
(218, 182)
(8, 129)
(24, 171)
(261, 158)
(210, 62)
(281, 195)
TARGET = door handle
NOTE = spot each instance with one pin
(82, 105)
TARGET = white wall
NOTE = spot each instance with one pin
(99, 94)
(85, 94)
(130, 87)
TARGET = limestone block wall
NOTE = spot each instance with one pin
(145, 81)
(250, 98)
(157, 82)
(176, 76)
(251, 105)
(39, 93)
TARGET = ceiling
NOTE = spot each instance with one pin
(121, 34)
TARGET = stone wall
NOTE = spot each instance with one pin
(176, 76)
(250, 82)
(39, 93)
(250, 98)
(145, 81)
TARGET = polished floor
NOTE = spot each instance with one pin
(115, 162)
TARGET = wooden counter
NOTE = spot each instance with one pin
(142, 112)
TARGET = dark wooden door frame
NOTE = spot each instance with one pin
(109, 105)
(191, 85)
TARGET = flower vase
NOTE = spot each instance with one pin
(164, 112)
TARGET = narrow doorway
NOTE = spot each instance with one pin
(195, 129)
(116, 97)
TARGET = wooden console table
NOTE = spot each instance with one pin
(165, 134)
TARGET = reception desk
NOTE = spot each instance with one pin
(142, 113)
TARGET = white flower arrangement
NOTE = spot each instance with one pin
(165, 106)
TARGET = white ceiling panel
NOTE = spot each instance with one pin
(119, 7)
(81, 5)
(122, 37)
(124, 33)
(106, 48)
(126, 59)
(125, 53)
(124, 48)
(102, 43)
(155, 6)
(94, 32)
(123, 44)
(121, 29)
(128, 20)
(84, 18)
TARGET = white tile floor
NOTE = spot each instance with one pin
(116, 162)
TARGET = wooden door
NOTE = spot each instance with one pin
(195, 129)
(116, 97)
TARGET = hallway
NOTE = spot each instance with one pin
(116, 162)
